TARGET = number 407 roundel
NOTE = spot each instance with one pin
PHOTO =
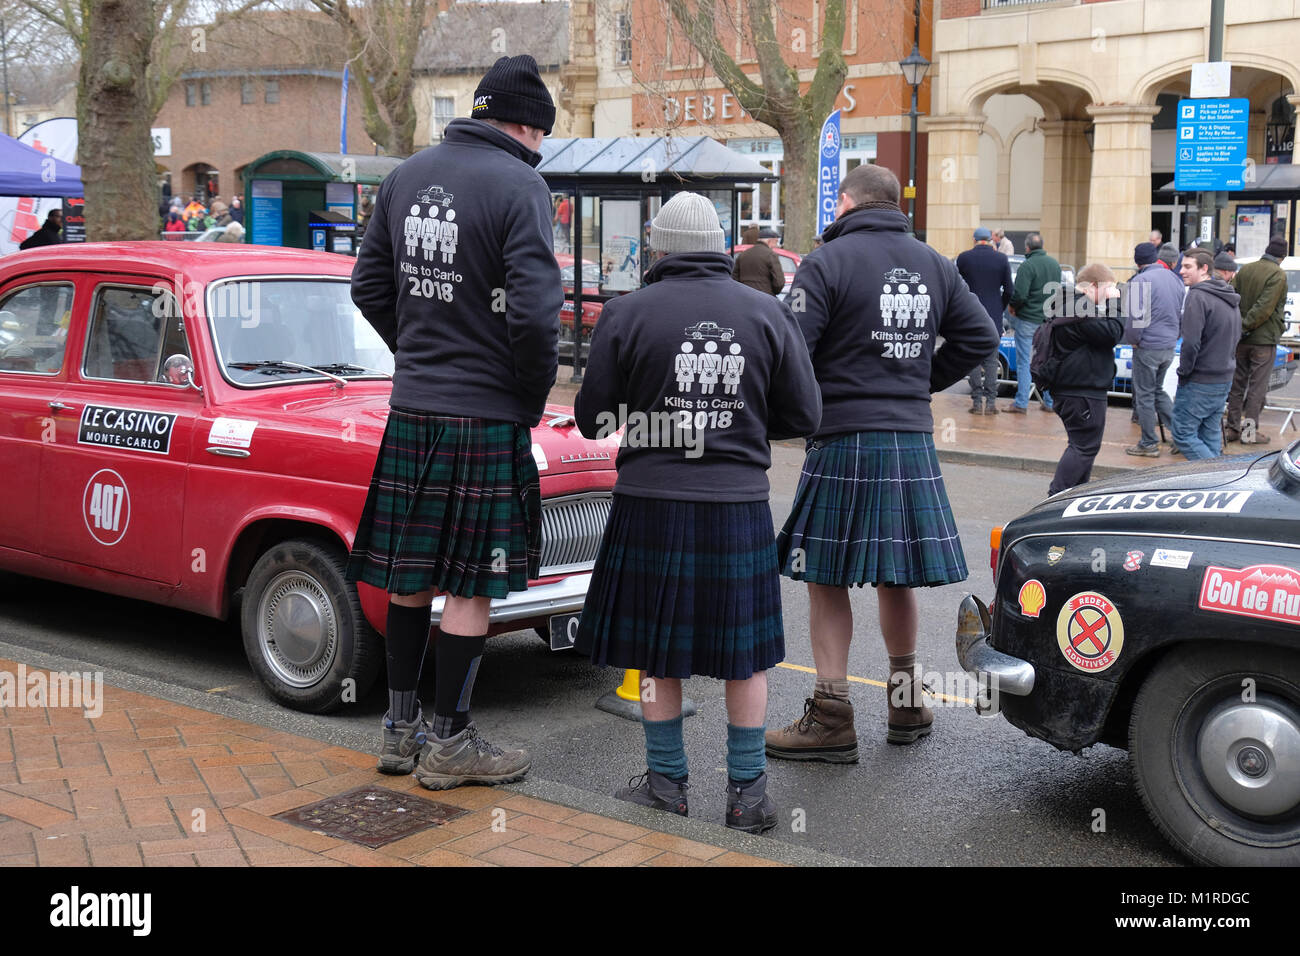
(106, 507)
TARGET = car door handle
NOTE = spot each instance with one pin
(59, 407)
(228, 452)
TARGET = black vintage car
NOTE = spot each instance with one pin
(1160, 612)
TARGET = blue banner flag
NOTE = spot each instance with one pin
(343, 113)
(828, 179)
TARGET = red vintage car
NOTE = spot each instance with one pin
(196, 425)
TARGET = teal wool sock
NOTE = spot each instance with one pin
(746, 758)
(665, 752)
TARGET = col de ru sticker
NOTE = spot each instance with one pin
(1090, 632)
(1269, 592)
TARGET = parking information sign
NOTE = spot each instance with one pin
(1210, 155)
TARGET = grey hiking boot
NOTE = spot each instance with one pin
(402, 744)
(654, 790)
(468, 758)
(749, 808)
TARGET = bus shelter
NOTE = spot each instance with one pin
(301, 199)
(604, 194)
(1267, 205)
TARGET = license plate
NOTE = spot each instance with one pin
(564, 631)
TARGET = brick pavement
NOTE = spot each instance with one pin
(155, 783)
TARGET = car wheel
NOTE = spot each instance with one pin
(1215, 742)
(304, 633)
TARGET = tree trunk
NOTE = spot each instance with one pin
(799, 182)
(115, 149)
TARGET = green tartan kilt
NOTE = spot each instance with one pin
(454, 505)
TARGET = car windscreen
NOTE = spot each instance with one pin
(263, 327)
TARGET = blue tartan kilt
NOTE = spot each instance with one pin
(871, 508)
(683, 588)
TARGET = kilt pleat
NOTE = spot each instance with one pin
(683, 588)
(871, 508)
(454, 505)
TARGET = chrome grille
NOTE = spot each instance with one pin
(571, 530)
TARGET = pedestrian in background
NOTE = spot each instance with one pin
(988, 274)
(758, 266)
(1211, 330)
(1225, 267)
(1153, 308)
(686, 581)
(1038, 283)
(1083, 345)
(1262, 287)
(871, 507)
(454, 505)
(50, 234)
(1003, 244)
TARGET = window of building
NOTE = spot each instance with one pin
(191, 94)
(246, 92)
(623, 40)
(205, 93)
(272, 91)
(444, 111)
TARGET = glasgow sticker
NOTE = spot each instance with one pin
(1159, 502)
(1089, 632)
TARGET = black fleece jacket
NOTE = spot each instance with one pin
(458, 276)
(702, 371)
(872, 303)
(1086, 343)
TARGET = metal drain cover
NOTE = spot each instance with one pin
(371, 816)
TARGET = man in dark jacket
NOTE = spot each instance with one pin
(1211, 329)
(871, 508)
(48, 234)
(1038, 283)
(1262, 287)
(988, 274)
(758, 266)
(1085, 342)
(1153, 306)
(458, 276)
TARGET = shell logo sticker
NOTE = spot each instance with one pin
(1032, 597)
(1090, 632)
(106, 507)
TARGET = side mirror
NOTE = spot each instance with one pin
(178, 372)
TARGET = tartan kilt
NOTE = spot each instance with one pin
(685, 587)
(871, 508)
(449, 499)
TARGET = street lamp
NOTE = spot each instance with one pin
(914, 68)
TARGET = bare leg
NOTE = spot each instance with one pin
(830, 620)
(746, 700)
(468, 616)
(661, 699)
(898, 620)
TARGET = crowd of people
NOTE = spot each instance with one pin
(177, 215)
(1229, 320)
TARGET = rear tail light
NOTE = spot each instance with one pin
(995, 545)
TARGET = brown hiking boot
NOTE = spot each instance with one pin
(824, 732)
(468, 758)
(909, 717)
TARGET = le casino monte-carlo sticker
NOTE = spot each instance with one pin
(131, 428)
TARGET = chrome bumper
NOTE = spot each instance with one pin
(565, 596)
(997, 673)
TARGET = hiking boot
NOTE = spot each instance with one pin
(1230, 435)
(652, 789)
(1018, 410)
(468, 758)
(1259, 439)
(976, 410)
(749, 808)
(1143, 451)
(402, 744)
(824, 732)
(990, 409)
(909, 717)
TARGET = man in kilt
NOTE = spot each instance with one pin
(454, 505)
(871, 506)
(686, 581)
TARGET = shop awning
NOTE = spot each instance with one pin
(629, 158)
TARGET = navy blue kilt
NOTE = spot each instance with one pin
(871, 508)
(685, 587)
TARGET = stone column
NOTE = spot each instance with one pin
(952, 180)
(1067, 165)
(1119, 193)
(1295, 146)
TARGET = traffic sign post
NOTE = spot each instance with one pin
(1211, 146)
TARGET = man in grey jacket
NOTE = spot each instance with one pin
(1211, 327)
(1155, 303)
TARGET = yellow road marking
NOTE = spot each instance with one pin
(876, 683)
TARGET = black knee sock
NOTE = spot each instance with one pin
(457, 657)
(406, 642)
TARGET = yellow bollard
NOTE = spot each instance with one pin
(630, 689)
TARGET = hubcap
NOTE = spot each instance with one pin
(297, 629)
(1250, 754)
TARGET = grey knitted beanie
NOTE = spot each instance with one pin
(686, 223)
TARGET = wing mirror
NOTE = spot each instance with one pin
(178, 371)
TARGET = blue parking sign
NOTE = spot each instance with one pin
(1210, 148)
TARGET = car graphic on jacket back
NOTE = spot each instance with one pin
(185, 423)
(710, 330)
